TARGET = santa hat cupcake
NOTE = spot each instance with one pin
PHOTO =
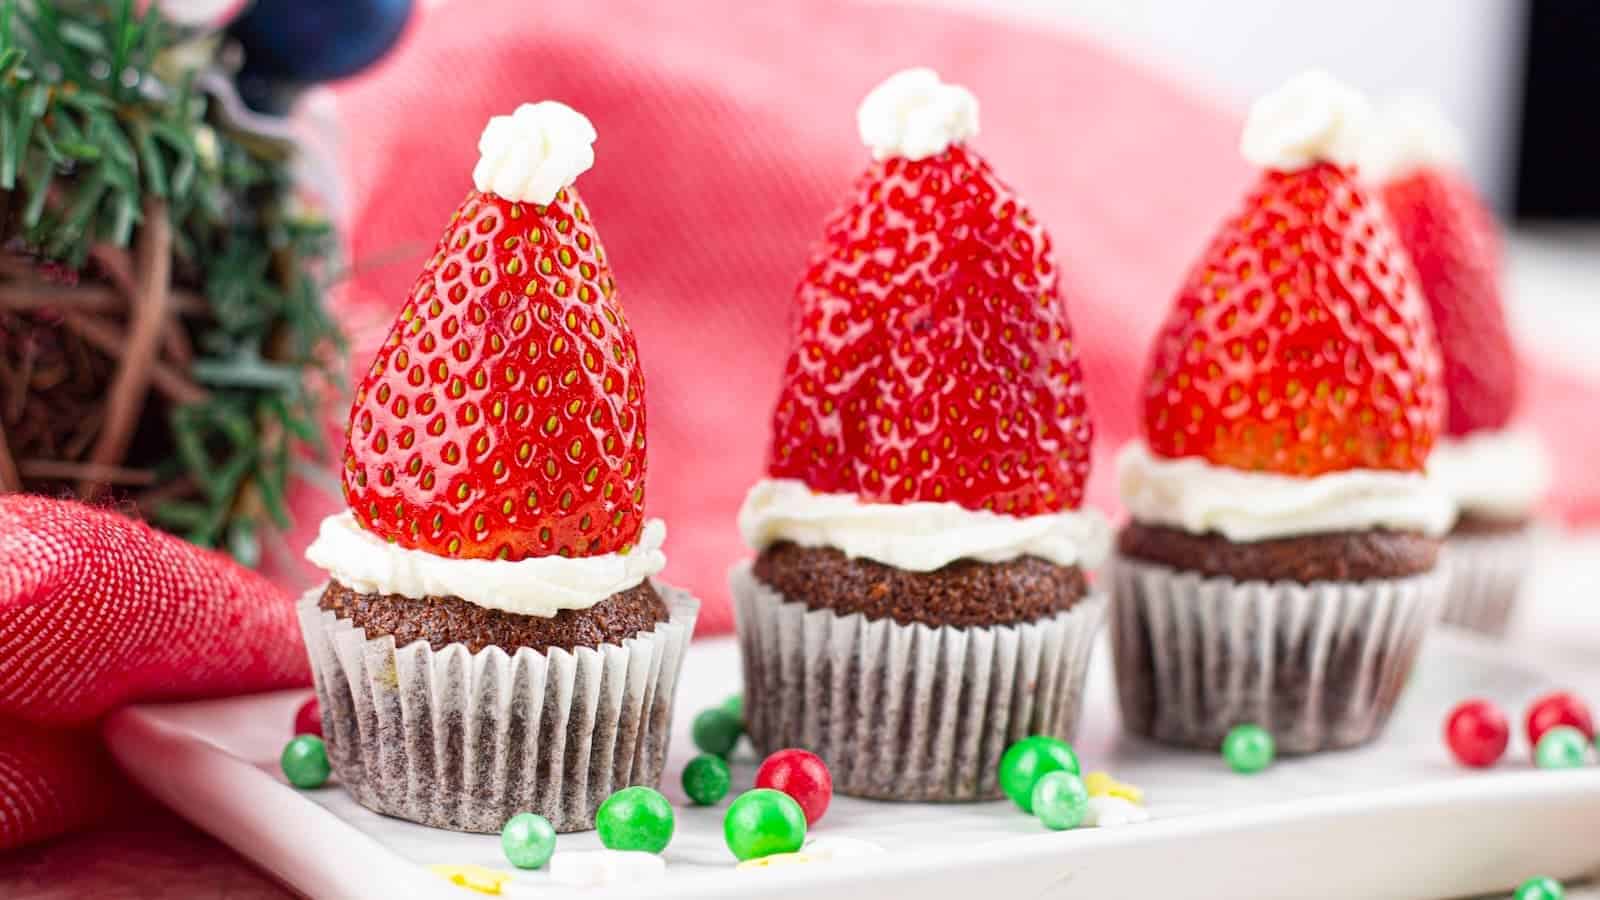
(919, 600)
(1495, 469)
(1280, 565)
(492, 640)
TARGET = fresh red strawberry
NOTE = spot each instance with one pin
(1452, 241)
(1299, 344)
(932, 358)
(504, 416)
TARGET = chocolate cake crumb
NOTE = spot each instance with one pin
(1333, 556)
(442, 621)
(964, 594)
(1471, 524)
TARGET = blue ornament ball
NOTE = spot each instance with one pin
(288, 44)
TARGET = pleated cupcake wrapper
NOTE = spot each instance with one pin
(1486, 576)
(464, 740)
(1319, 665)
(906, 712)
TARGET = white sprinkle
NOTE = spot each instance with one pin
(834, 847)
(1107, 812)
(592, 868)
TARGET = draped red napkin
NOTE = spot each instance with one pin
(97, 610)
(727, 131)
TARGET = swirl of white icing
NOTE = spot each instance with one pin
(1198, 496)
(1502, 473)
(1312, 118)
(533, 153)
(917, 537)
(536, 586)
(915, 115)
(1411, 133)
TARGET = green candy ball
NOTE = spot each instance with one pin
(735, 705)
(528, 840)
(1562, 747)
(1248, 749)
(1060, 800)
(706, 779)
(1030, 758)
(763, 822)
(305, 762)
(635, 818)
(1540, 888)
(717, 730)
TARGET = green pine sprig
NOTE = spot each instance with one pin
(99, 112)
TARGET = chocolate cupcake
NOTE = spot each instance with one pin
(1495, 470)
(492, 639)
(1497, 478)
(919, 599)
(442, 621)
(1281, 565)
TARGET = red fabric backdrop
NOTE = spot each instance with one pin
(726, 133)
(97, 610)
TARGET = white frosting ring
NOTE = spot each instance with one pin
(1501, 473)
(917, 537)
(1198, 497)
(1312, 118)
(530, 155)
(536, 586)
(915, 115)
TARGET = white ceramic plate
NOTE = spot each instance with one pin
(1396, 819)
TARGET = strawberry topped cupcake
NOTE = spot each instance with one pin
(1280, 565)
(491, 639)
(919, 599)
(1495, 470)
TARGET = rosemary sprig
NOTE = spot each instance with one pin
(99, 111)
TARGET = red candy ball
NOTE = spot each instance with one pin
(801, 775)
(1477, 733)
(308, 719)
(1559, 708)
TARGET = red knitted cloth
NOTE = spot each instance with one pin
(97, 610)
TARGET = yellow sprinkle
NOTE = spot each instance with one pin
(475, 878)
(1101, 784)
(776, 859)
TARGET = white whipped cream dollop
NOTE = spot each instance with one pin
(530, 155)
(1312, 118)
(1411, 133)
(915, 115)
(1502, 473)
(917, 537)
(1198, 496)
(536, 586)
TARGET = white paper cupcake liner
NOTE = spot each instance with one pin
(1318, 665)
(464, 740)
(1486, 576)
(906, 712)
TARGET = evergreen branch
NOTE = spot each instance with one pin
(89, 127)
